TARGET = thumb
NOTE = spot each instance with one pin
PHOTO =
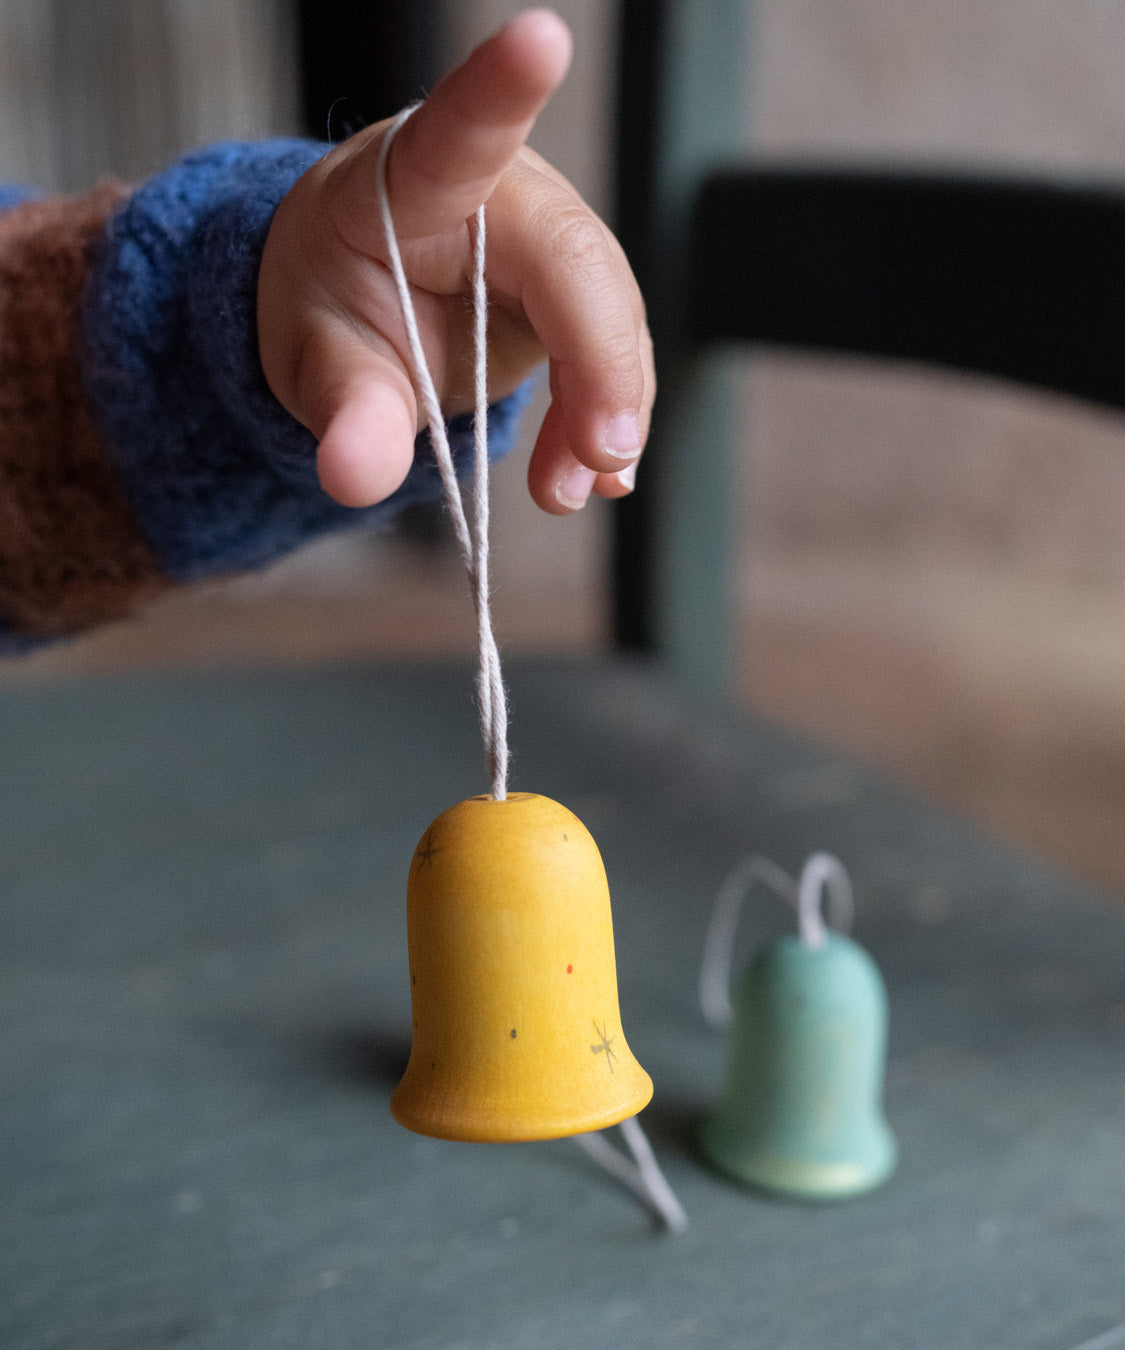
(359, 403)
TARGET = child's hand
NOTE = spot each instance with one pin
(333, 344)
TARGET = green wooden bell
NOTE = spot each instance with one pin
(802, 1111)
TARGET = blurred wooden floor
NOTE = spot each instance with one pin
(1000, 699)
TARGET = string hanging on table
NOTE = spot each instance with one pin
(546, 959)
(642, 1175)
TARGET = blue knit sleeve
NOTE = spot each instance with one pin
(217, 474)
(11, 194)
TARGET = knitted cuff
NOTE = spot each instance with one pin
(218, 475)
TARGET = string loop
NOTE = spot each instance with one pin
(821, 873)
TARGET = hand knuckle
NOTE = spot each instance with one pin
(621, 352)
(578, 239)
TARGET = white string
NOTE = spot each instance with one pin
(718, 947)
(472, 541)
(821, 873)
(642, 1176)
(663, 1197)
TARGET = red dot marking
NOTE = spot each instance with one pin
(569, 969)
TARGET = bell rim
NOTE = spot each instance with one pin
(794, 1179)
(472, 1128)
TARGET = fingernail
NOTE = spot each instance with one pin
(573, 491)
(622, 437)
(627, 477)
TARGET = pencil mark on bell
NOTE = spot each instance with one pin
(427, 850)
(604, 1046)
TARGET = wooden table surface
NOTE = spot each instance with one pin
(204, 1008)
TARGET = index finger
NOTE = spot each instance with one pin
(448, 157)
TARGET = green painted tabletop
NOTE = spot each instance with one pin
(204, 1008)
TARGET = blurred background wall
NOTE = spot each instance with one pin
(933, 572)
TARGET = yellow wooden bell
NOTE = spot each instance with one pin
(517, 1033)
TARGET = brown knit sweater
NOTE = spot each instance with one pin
(70, 551)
